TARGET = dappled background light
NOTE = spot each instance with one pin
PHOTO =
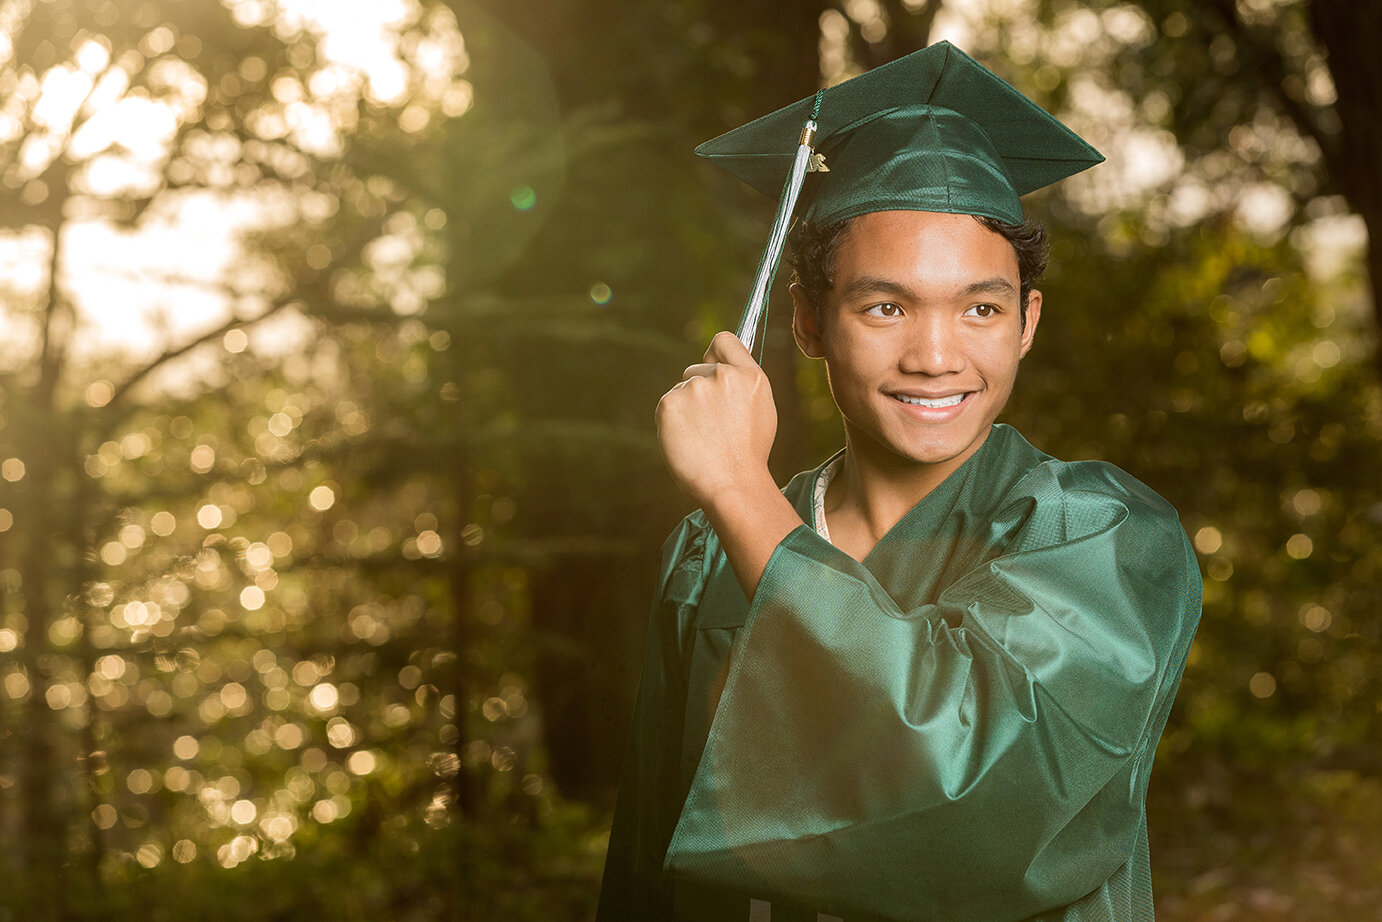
(329, 499)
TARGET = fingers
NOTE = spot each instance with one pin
(724, 349)
(704, 370)
(727, 349)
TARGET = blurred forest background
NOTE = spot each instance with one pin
(330, 502)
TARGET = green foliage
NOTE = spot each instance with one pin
(1269, 843)
(334, 607)
(371, 867)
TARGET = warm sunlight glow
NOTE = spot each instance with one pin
(181, 270)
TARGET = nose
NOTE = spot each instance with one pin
(933, 346)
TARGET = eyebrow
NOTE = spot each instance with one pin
(872, 284)
(996, 285)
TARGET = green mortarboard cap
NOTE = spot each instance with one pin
(932, 131)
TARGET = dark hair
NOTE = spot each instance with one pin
(811, 255)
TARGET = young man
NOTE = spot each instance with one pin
(927, 679)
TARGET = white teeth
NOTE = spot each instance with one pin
(936, 404)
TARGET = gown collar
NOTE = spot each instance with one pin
(1004, 457)
(823, 476)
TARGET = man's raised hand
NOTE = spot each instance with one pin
(717, 425)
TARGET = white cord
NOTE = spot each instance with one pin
(767, 267)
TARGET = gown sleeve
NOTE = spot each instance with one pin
(980, 757)
(633, 885)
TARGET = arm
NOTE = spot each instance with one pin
(716, 428)
(980, 757)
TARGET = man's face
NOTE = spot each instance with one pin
(921, 335)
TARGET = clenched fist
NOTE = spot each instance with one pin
(717, 425)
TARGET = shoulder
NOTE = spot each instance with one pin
(1075, 482)
(1090, 488)
(1089, 530)
(1034, 474)
(1068, 500)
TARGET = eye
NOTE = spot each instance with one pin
(983, 310)
(886, 309)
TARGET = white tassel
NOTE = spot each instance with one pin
(757, 305)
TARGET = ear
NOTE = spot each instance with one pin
(806, 329)
(1033, 317)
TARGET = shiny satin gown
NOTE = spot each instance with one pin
(959, 728)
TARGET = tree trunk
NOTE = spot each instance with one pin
(44, 451)
(586, 608)
(44, 826)
(577, 676)
(1357, 71)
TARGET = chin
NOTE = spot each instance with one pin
(939, 449)
(941, 454)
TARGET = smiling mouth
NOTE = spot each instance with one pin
(937, 403)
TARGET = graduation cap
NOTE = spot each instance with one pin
(932, 131)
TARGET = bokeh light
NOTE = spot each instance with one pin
(290, 518)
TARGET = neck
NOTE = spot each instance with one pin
(876, 488)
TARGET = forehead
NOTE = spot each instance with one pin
(923, 247)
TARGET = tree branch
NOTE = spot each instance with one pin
(124, 387)
(303, 291)
(1263, 55)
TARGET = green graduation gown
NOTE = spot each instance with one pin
(960, 727)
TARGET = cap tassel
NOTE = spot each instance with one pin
(751, 322)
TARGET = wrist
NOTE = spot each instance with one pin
(751, 517)
(742, 496)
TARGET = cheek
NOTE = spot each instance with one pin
(997, 356)
(1002, 374)
(851, 364)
